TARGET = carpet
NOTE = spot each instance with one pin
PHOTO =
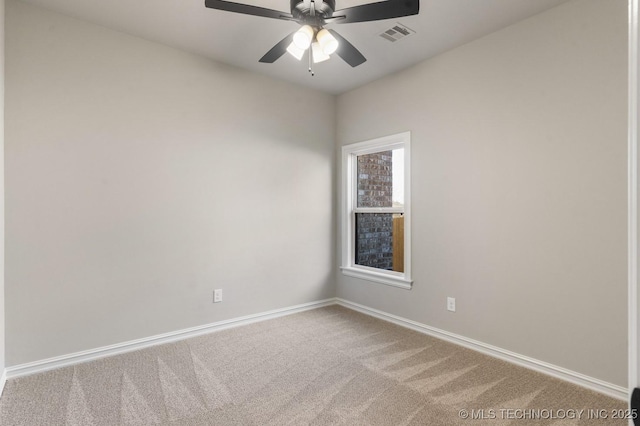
(327, 366)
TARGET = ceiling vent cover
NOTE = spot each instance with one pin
(397, 32)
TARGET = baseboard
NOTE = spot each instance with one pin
(591, 383)
(133, 345)
(594, 384)
(3, 381)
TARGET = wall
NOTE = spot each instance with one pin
(519, 187)
(2, 328)
(139, 178)
(634, 214)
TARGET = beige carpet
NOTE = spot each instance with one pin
(329, 366)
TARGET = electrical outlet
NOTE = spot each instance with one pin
(217, 295)
(451, 304)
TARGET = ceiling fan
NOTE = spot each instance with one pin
(313, 15)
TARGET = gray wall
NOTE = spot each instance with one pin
(139, 178)
(519, 187)
(2, 328)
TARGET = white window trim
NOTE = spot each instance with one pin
(348, 196)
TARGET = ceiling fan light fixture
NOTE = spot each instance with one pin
(327, 42)
(318, 54)
(303, 37)
(295, 51)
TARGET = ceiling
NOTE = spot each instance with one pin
(240, 40)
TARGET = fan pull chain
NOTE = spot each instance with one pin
(311, 62)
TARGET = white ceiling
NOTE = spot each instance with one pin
(241, 40)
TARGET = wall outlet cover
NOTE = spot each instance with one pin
(451, 304)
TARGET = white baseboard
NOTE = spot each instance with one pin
(594, 384)
(133, 345)
(3, 381)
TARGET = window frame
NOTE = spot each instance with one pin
(349, 208)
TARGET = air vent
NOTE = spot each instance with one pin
(397, 32)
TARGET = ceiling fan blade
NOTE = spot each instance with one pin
(376, 11)
(347, 51)
(278, 50)
(247, 9)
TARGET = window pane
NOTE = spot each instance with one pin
(380, 241)
(381, 179)
(398, 177)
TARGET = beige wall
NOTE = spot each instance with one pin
(519, 187)
(140, 178)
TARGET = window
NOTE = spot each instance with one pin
(376, 218)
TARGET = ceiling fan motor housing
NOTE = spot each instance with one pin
(301, 10)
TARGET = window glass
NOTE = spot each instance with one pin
(379, 237)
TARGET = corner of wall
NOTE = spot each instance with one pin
(2, 327)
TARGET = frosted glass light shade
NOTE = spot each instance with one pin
(318, 54)
(295, 51)
(303, 37)
(327, 42)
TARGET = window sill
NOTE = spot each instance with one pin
(378, 277)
